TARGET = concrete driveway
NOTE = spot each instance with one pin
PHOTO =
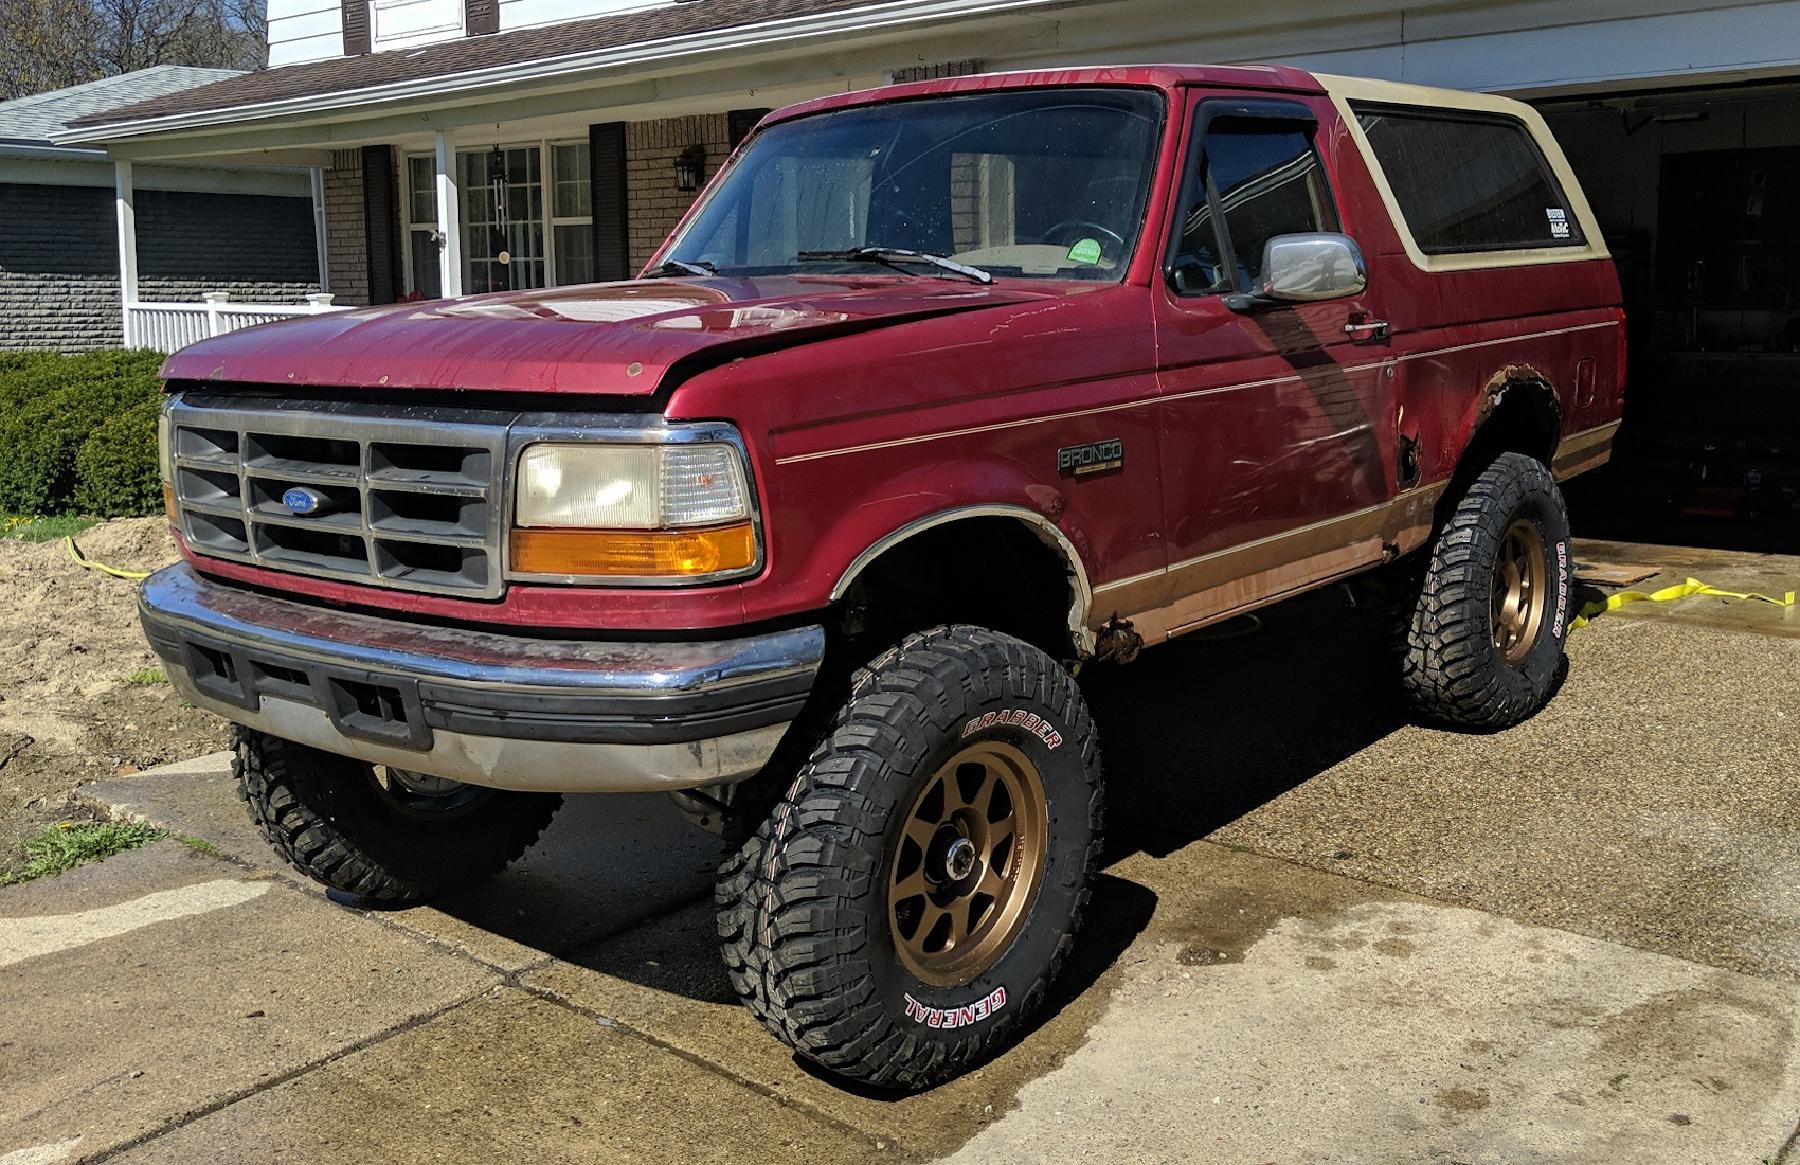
(1321, 935)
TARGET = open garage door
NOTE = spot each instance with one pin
(1698, 192)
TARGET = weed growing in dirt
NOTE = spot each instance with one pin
(23, 529)
(200, 845)
(145, 677)
(66, 845)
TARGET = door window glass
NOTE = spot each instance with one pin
(1256, 179)
(1469, 182)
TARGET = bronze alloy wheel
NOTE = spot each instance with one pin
(1521, 589)
(424, 796)
(967, 869)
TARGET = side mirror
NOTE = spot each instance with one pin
(1306, 269)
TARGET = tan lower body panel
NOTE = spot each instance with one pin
(1189, 595)
(1580, 452)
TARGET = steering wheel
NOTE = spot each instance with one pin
(1086, 228)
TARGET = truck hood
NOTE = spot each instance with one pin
(613, 339)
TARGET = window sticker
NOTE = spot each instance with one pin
(1085, 252)
(1559, 222)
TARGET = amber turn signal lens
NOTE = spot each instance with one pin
(634, 553)
(169, 503)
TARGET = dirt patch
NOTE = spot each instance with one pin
(78, 693)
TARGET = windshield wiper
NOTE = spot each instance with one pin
(897, 258)
(670, 267)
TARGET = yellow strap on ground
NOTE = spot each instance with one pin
(81, 560)
(1692, 586)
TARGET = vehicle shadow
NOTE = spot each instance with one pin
(1198, 733)
(1195, 734)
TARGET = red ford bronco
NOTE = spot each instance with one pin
(938, 391)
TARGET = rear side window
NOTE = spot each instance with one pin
(1468, 182)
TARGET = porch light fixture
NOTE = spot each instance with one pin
(690, 168)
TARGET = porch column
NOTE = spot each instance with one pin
(449, 219)
(125, 214)
(317, 176)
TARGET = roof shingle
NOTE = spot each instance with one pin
(469, 54)
(33, 119)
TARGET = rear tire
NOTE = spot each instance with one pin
(901, 913)
(1483, 645)
(333, 821)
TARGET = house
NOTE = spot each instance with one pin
(243, 232)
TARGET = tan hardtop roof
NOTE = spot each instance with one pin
(1345, 90)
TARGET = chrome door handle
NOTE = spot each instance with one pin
(1367, 330)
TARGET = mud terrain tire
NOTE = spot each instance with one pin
(813, 909)
(329, 818)
(1458, 670)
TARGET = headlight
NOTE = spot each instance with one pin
(667, 511)
(631, 487)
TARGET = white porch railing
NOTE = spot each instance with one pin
(168, 326)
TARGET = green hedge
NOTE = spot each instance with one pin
(78, 433)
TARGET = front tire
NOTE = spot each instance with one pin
(901, 913)
(1484, 641)
(400, 840)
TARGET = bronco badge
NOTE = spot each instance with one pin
(1094, 457)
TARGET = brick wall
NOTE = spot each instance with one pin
(923, 72)
(650, 151)
(59, 265)
(346, 235)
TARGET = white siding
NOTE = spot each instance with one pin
(1528, 46)
(525, 13)
(395, 24)
(304, 30)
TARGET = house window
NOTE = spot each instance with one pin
(502, 218)
(518, 231)
(422, 273)
(572, 213)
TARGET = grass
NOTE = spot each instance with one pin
(147, 677)
(23, 529)
(200, 845)
(64, 846)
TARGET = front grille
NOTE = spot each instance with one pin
(399, 501)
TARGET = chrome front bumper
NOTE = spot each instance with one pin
(550, 715)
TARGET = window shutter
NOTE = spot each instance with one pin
(740, 122)
(481, 17)
(381, 223)
(356, 27)
(612, 211)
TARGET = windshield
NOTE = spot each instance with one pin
(1046, 183)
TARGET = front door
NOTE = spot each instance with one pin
(1278, 420)
(503, 218)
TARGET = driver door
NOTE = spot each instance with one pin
(1279, 422)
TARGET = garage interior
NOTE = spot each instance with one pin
(1698, 193)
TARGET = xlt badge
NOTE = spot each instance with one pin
(1094, 457)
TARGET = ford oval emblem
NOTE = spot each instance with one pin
(302, 502)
